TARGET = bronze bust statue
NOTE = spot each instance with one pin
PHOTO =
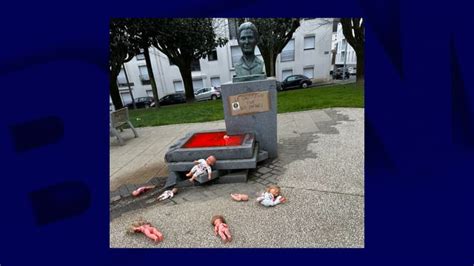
(249, 67)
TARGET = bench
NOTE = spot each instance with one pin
(118, 119)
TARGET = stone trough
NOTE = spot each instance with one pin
(235, 154)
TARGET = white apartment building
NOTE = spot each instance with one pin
(344, 50)
(308, 53)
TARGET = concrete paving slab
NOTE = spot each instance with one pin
(320, 172)
(309, 219)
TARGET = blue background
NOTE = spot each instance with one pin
(419, 132)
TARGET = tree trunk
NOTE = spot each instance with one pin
(267, 56)
(114, 91)
(129, 87)
(152, 77)
(274, 58)
(188, 82)
(360, 65)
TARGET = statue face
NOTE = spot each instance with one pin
(247, 41)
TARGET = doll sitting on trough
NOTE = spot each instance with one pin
(201, 167)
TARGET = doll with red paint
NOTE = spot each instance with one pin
(141, 190)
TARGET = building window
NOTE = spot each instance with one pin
(126, 98)
(144, 75)
(288, 53)
(236, 53)
(344, 45)
(285, 73)
(309, 42)
(233, 28)
(197, 84)
(309, 72)
(216, 82)
(141, 55)
(178, 86)
(122, 80)
(195, 66)
(213, 55)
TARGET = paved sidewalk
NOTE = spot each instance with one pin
(320, 169)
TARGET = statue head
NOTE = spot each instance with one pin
(247, 37)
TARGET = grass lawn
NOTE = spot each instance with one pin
(348, 95)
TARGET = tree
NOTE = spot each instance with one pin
(184, 41)
(275, 33)
(353, 30)
(122, 50)
(142, 32)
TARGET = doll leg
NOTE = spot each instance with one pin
(193, 178)
(149, 234)
(157, 233)
(222, 235)
(227, 233)
(193, 170)
(235, 197)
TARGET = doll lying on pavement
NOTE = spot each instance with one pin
(239, 197)
(147, 229)
(141, 190)
(221, 228)
(168, 194)
(271, 197)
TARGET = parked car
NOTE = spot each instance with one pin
(173, 99)
(337, 74)
(203, 94)
(352, 70)
(141, 102)
(292, 81)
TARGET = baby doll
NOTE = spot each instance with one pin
(141, 190)
(271, 197)
(201, 166)
(239, 197)
(221, 228)
(147, 229)
(168, 194)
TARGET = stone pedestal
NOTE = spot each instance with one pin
(251, 106)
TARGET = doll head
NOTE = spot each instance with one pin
(211, 160)
(174, 190)
(217, 219)
(136, 224)
(274, 189)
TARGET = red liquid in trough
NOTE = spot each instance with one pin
(213, 139)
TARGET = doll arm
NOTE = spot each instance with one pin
(209, 172)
